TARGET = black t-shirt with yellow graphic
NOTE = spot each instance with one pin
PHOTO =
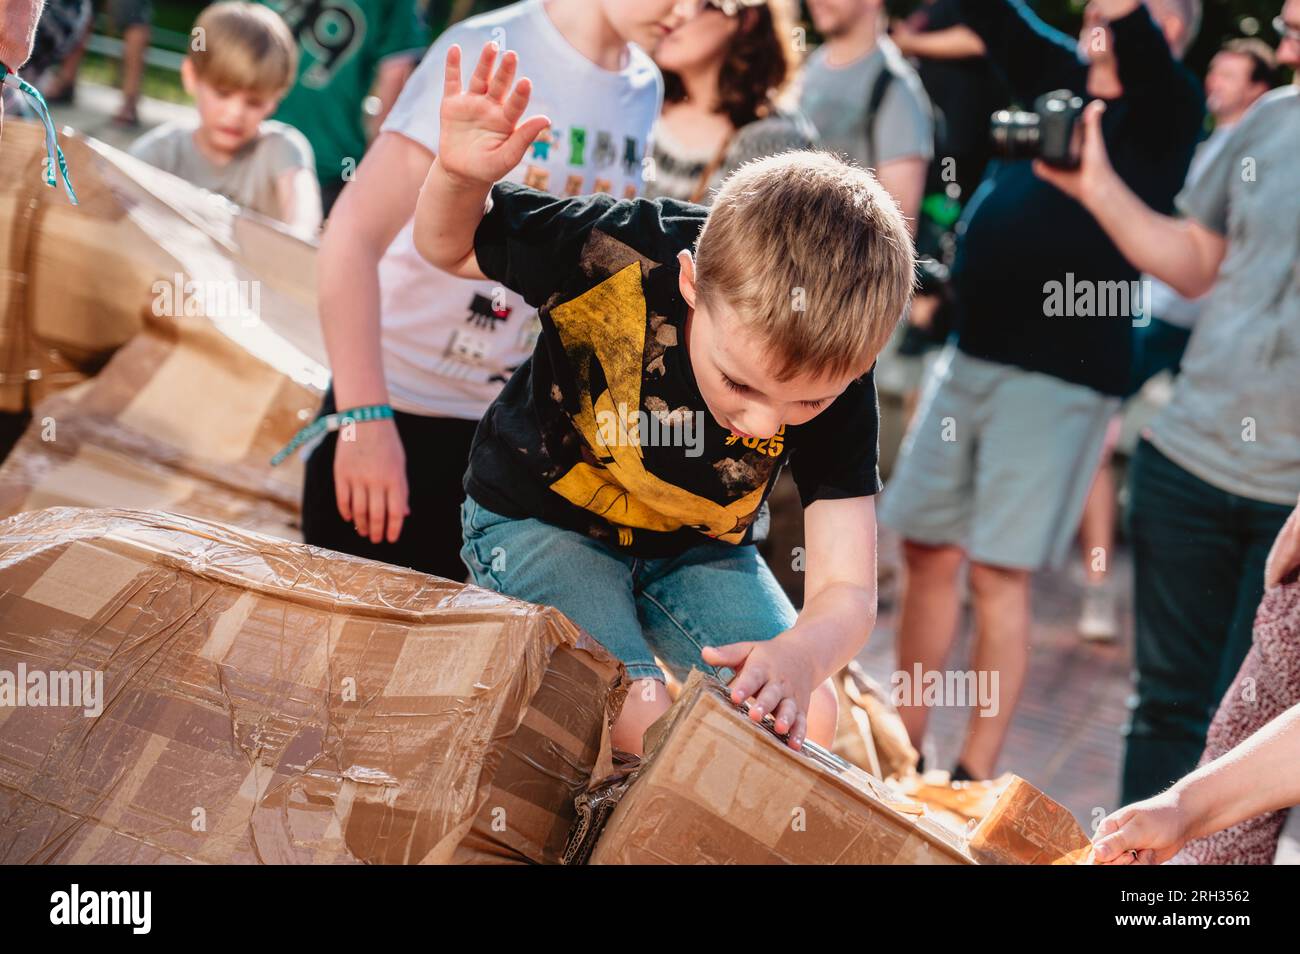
(603, 430)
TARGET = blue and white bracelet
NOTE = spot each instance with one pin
(333, 422)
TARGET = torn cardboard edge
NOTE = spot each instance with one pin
(1025, 826)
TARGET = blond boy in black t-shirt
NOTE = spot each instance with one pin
(686, 354)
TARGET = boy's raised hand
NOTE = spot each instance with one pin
(481, 138)
(776, 676)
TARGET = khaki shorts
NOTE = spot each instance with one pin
(998, 461)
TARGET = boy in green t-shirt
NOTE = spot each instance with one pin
(346, 50)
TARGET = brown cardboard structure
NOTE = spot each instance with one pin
(1025, 827)
(870, 733)
(206, 316)
(77, 281)
(267, 701)
(716, 788)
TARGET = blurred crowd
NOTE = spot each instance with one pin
(1000, 406)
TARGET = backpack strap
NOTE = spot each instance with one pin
(878, 90)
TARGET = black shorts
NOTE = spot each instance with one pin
(437, 454)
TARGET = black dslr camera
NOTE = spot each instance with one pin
(1047, 133)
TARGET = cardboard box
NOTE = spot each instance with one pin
(79, 282)
(265, 701)
(716, 788)
(205, 315)
(222, 361)
(1025, 827)
(871, 733)
(184, 418)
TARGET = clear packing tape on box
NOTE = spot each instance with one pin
(714, 787)
(266, 701)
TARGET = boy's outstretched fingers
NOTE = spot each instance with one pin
(754, 680)
(733, 656)
(481, 136)
(478, 82)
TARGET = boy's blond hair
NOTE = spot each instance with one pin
(813, 256)
(244, 46)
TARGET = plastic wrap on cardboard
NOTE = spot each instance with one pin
(76, 282)
(1026, 827)
(716, 788)
(183, 418)
(958, 805)
(266, 701)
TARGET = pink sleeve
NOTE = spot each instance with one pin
(1267, 684)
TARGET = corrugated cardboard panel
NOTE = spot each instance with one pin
(265, 701)
(715, 788)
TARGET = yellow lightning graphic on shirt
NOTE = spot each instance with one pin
(607, 325)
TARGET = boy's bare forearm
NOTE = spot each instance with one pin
(834, 625)
(447, 214)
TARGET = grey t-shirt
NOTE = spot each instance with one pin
(250, 176)
(835, 99)
(1234, 419)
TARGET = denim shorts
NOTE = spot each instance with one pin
(636, 607)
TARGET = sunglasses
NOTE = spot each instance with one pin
(728, 7)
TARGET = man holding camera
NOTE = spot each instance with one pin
(1218, 470)
(1006, 441)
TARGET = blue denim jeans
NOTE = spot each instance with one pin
(637, 608)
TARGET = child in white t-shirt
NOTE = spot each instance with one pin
(426, 351)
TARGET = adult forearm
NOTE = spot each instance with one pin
(447, 214)
(1163, 246)
(951, 43)
(1260, 775)
(1033, 56)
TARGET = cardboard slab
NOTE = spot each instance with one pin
(270, 702)
(716, 789)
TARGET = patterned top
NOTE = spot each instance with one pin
(604, 430)
(677, 168)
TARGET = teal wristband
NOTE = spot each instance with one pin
(54, 155)
(333, 422)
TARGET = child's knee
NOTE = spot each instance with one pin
(647, 700)
(823, 714)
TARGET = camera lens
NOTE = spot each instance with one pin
(1014, 134)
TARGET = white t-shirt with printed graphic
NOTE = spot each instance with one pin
(449, 343)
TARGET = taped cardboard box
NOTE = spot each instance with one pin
(76, 281)
(959, 805)
(716, 788)
(184, 418)
(1025, 827)
(265, 701)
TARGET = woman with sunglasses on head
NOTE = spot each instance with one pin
(725, 68)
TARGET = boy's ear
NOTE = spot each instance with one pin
(686, 277)
(188, 76)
